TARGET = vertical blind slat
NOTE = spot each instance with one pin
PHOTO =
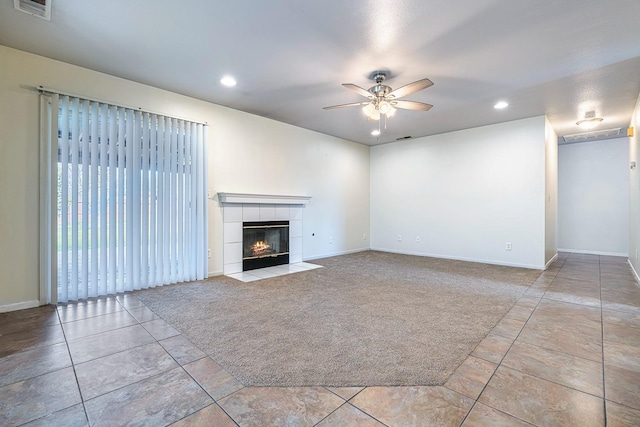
(188, 253)
(75, 144)
(85, 206)
(153, 171)
(63, 143)
(93, 216)
(201, 192)
(180, 204)
(128, 201)
(173, 196)
(104, 198)
(135, 199)
(194, 200)
(113, 184)
(160, 222)
(144, 196)
(121, 217)
(166, 226)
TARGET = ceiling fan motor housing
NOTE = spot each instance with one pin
(380, 90)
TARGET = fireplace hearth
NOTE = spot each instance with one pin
(264, 244)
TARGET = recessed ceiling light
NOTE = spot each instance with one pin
(228, 81)
(500, 105)
(375, 132)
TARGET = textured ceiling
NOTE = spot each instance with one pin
(555, 57)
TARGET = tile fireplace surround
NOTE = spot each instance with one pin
(239, 208)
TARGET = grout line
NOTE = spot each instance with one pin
(347, 402)
(604, 391)
(329, 414)
(73, 366)
(495, 409)
(557, 383)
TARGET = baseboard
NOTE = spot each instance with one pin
(352, 251)
(19, 306)
(551, 261)
(587, 252)
(482, 261)
(214, 273)
(635, 273)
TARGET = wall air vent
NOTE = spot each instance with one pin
(39, 8)
(596, 135)
(402, 138)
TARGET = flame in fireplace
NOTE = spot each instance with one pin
(260, 248)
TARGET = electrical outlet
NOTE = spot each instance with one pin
(508, 246)
(330, 239)
(399, 237)
(364, 236)
(417, 239)
(208, 253)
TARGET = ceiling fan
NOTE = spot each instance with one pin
(383, 100)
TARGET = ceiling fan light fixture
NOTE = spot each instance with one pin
(371, 112)
(590, 120)
(368, 109)
(391, 112)
(384, 107)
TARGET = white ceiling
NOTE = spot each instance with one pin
(555, 57)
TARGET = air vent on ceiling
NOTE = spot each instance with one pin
(39, 8)
(596, 135)
(403, 137)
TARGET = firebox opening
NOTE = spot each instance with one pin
(264, 244)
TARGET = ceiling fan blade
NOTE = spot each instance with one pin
(411, 88)
(353, 104)
(411, 105)
(358, 90)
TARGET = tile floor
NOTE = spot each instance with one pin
(278, 270)
(567, 354)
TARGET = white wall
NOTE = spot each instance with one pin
(593, 194)
(246, 154)
(465, 194)
(334, 172)
(551, 191)
(634, 193)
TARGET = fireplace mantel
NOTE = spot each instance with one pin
(263, 199)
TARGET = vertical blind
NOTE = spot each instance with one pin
(131, 199)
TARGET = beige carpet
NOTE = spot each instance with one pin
(369, 318)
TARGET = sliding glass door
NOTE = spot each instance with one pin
(130, 198)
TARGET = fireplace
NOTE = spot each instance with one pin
(264, 244)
